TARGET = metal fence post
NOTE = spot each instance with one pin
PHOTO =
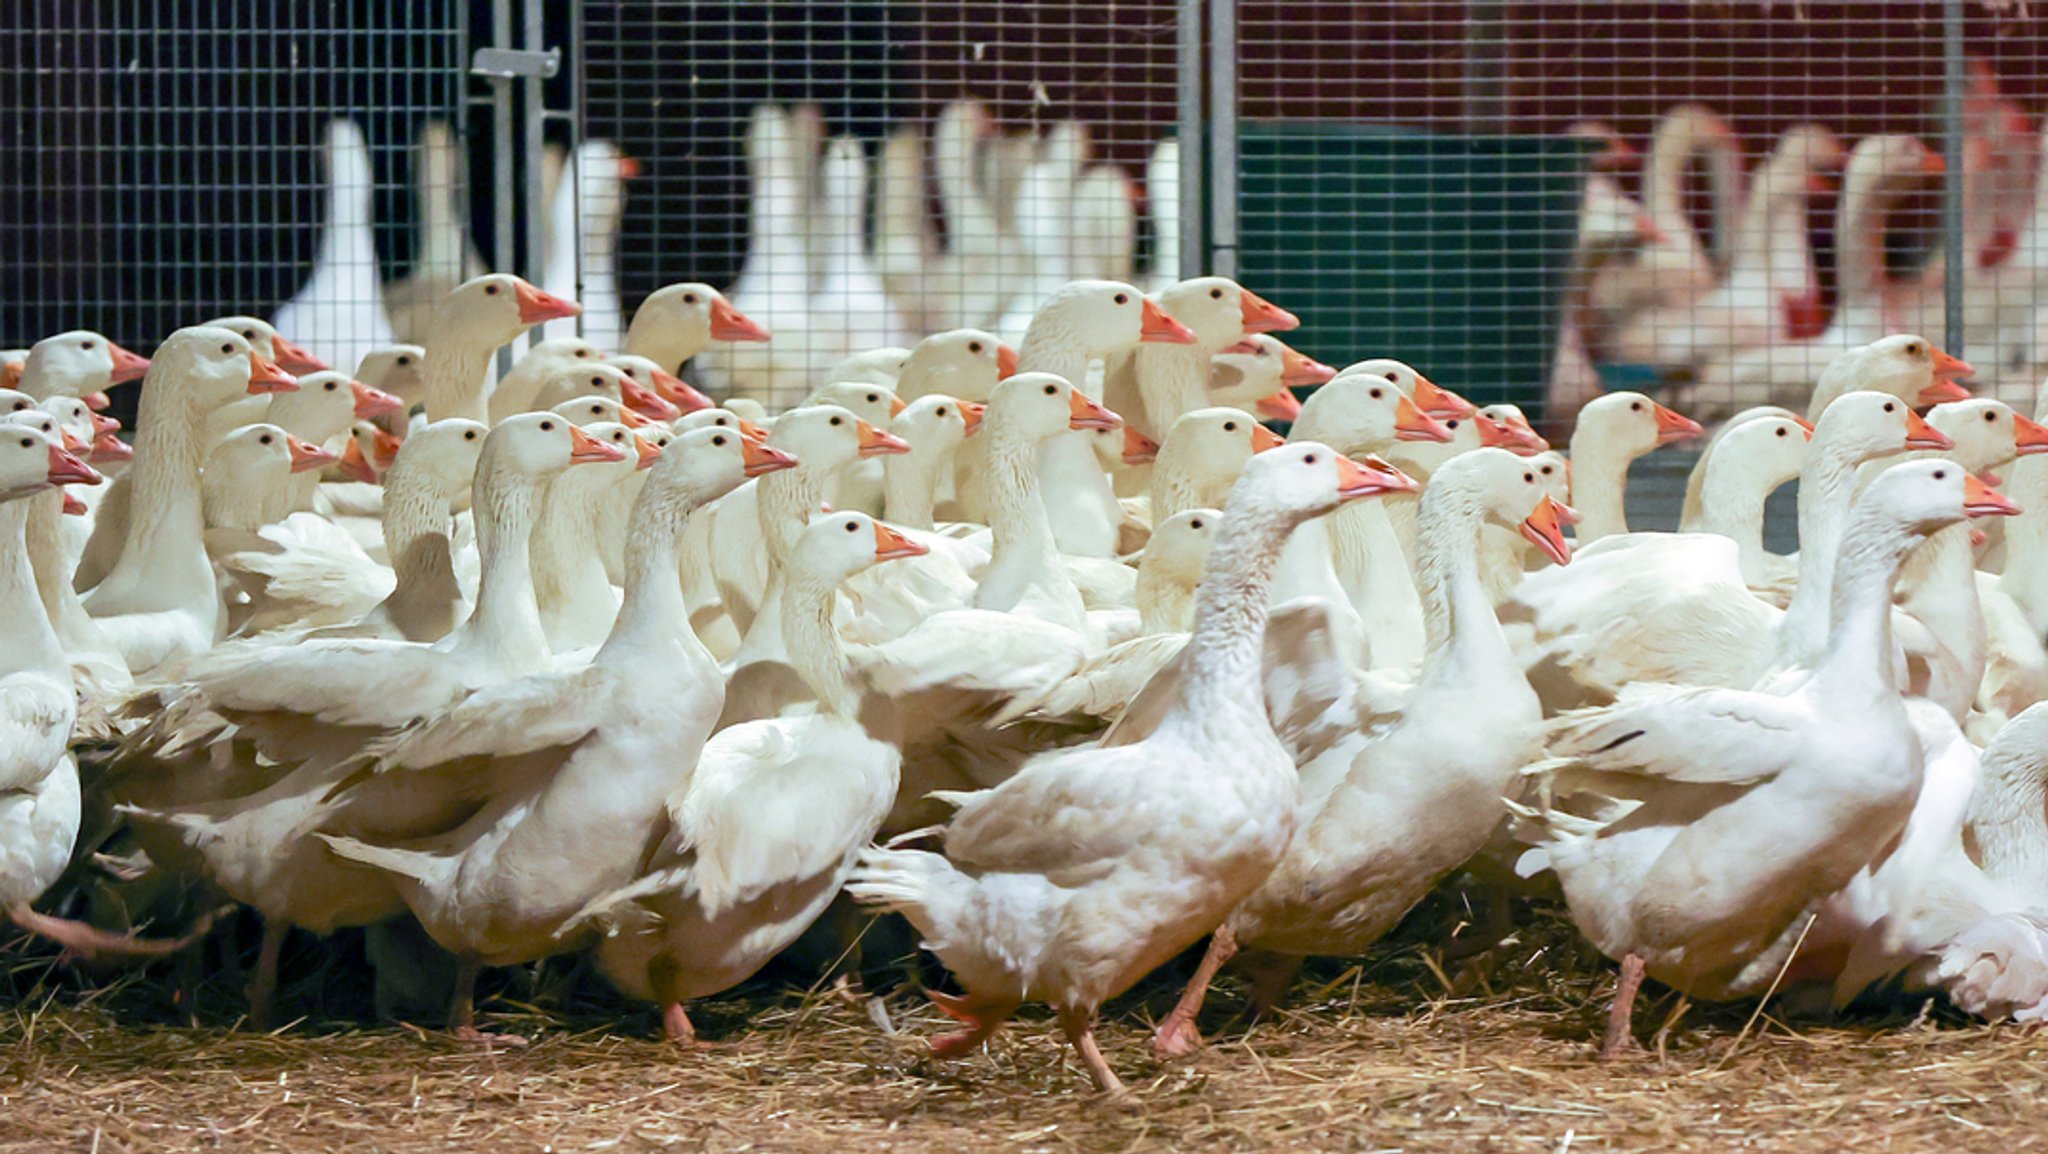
(1954, 85)
(1223, 137)
(1193, 127)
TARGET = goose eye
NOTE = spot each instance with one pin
(227, 350)
(689, 298)
(1378, 393)
(597, 382)
(975, 347)
(942, 410)
(85, 344)
(584, 354)
(265, 438)
(1781, 432)
(837, 422)
(1051, 389)
(1635, 407)
(873, 399)
(330, 386)
(404, 361)
(1547, 470)
(718, 440)
(1230, 426)
(28, 442)
(470, 435)
(249, 333)
(1991, 416)
(720, 422)
(1890, 408)
(547, 426)
(1308, 459)
(1941, 474)
(1195, 524)
(1914, 350)
(853, 526)
(1451, 424)
(1528, 478)
(1123, 298)
(1215, 294)
(491, 290)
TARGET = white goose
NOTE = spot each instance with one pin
(583, 238)
(339, 311)
(80, 364)
(469, 325)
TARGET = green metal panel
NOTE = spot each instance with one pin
(1448, 252)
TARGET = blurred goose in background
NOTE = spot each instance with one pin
(339, 312)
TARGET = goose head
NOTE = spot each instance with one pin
(1866, 424)
(677, 321)
(1509, 490)
(1428, 396)
(492, 309)
(368, 453)
(1032, 407)
(15, 401)
(875, 404)
(1365, 413)
(1221, 312)
(326, 404)
(1179, 546)
(1305, 479)
(671, 390)
(827, 437)
(581, 383)
(541, 445)
(589, 410)
(266, 340)
(80, 363)
(877, 366)
(964, 363)
(936, 423)
(1932, 494)
(396, 369)
(719, 417)
(254, 460)
(1771, 448)
(31, 461)
(706, 463)
(1105, 316)
(634, 455)
(1516, 434)
(443, 454)
(1987, 434)
(216, 365)
(1554, 473)
(79, 423)
(1214, 442)
(837, 546)
(1262, 371)
(1631, 424)
(1910, 367)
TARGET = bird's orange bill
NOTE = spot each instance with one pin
(1006, 361)
(879, 443)
(971, 414)
(730, 324)
(127, 366)
(896, 406)
(586, 449)
(1440, 402)
(11, 374)
(646, 401)
(1263, 316)
(109, 449)
(307, 456)
(1370, 478)
(1517, 439)
(94, 401)
(1947, 367)
(1941, 392)
(1544, 529)
(1279, 405)
(890, 544)
(1648, 230)
(1156, 327)
(372, 403)
(678, 392)
(762, 458)
(1139, 449)
(66, 469)
(73, 507)
(1299, 370)
(72, 444)
(1979, 538)
(1674, 426)
(267, 376)
(1412, 424)
(647, 451)
(1084, 412)
(537, 305)
(1981, 500)
(384, 448)
(2028, 437)
(631, 418)
(1921, 435)
(354, 465)
(103, 424)
(1264, 438)
(750, 429)
(295, 358)
(1805, 424)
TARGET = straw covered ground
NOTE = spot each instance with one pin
(1391, 1053)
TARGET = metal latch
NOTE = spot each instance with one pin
(514, 63)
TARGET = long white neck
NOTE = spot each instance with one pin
(1859, 646)
(2009, 817)
(1938, 586)
(1172, 380)
(1023, 554)
(786, 501)
(2026, 539)
(812, 644)
(505, 625)
(1599, 484)
(454, 370)
(246, 501)
(570, 585)
(1225, 655)
(31, 640)
(1077, 491)
(654, 620)
(665, 343)
(1180, 483)
(1166, 603)
(163, 563)
(1457, 613)
(1826, 488)
(1733, 506)
(910, 484)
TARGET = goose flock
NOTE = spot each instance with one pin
(1050, 650)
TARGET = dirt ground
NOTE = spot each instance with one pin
(1390, 1053)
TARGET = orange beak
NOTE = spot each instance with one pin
(1370, 478)
(629, 168)
(1278, 405)
(1618, 154)
(73, 507)
(761, 458)
(1006, 361)
(11, 372)
(971, 415)
(371, 403)
(110, 449)
(1978, 538)
(307, 456)
(1158, 328)
(730, 324)
(127, 365)
(646, 402)
(750, 429)
(536, 305)
(1440, 402)
(269, 377)
(879, 443)
(896, 406)
(66, 469)
(72, 444)
(1264, 438)
(648, 452)
(1544, 528)
(1263, 316)
(1516, 438)
(1084, 413)
(93, 401)
(1299, 370)
(1649, 230)
(1139, 449)
(678, 392)
(585, 449)
(1941, 392)
(1948, 367)
(1673, 426)
(294, 358)
(891, 545)
(383, 447)
(2028, 437)
(1412, 424)
(103, 424)
(1805, 424)
(1932, 164)
(1981, 500)
(1921, 435)
(631, 419)
(354, 465)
